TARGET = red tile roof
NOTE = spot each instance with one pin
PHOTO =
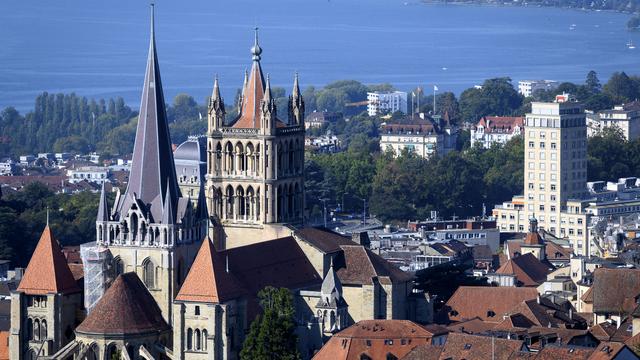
(376, 339)
(126, 308)
(615, 290)
(48, 272)
(529, 271)
(208, 281)
(501, 124)
(485, 302)
(463, 346)
(4, 345)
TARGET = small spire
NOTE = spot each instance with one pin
(153, 31)
(47, 215)
(216, 89)
(103, 210)
(246, 79)
(256, 50)
(267, 90)
(296, 86)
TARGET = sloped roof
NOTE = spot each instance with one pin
(360, 266)
(126, 308)
(615, 290)
(587, 297)
(322, 239)
(469, 302)
(351, 343)
(500, 124)
(208, 281)
(153, 171)
(463, 346)
(563, 353)
(48, 272)
(529, 271)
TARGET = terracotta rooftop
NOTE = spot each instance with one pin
(208, 281)
(463, 346)
(48, 272)
(126, 308)
(615, 289)
(501, 124)
(485, 302)
(375, 339)
(529, 271)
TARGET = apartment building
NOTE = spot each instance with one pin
(528, 87)
(386, 102)
(625, 117)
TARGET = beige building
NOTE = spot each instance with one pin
(625, 117)
(423, 137)
(510, 215)
(255, 175)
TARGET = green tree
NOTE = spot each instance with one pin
(272, 335)
(621, 88)
(495, 97)
(593, 83)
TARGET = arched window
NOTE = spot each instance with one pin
(36, 330)
(149, 273)
(29, 329)
(196, 335)
(189, 339)
(43, 330)
(204, 340)
(134, 227)
(118, 267)
(112, 352)
(32, 355)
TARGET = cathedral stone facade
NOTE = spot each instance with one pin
(255, 173)
(172, 277)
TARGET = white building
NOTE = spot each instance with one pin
(7, 168)
(528, 87)
(626, 117)
(496, 130)
(94, 174)
(424, 137)
(379, 102)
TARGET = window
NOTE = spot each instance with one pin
(542, 145)
(388, 342)
(204, 340)
(149, 273)
(390, 356)
(189, 339)
(197, 310)
(531, 145)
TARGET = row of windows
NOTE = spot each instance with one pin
(196, 340)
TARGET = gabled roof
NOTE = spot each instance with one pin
(361, 266)
(208, 280)
(485, 302)
(322, 239)
(501, 124)
(126, 308)
(528, 270)
(463, 346)
(371, 337)
(152, 166)
(615, 290)
(48, 272)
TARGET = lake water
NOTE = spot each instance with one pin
(99, 48)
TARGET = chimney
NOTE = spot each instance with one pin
(361, 238)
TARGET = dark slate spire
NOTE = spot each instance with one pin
(152, 162)
(217, 104)
(296, 104)
(103, 211)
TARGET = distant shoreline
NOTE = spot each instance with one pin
(522, 5)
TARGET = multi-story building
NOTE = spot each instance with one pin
(255, 176)
(386, 102)
(94, 174)
(492, 130)
(424, 137)
(625, 117)
(528, 87)
(555, 160)
(318, 119)
(510, 215)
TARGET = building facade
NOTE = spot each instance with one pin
(528, 87)
(386, 102)
(625, 117)
(191, 166)
(492, 130)
(423, 137)
(255, 175)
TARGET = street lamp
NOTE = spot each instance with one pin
(364, 209)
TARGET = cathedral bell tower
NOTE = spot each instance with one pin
(255, 180)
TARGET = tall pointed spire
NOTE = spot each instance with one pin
(296, 87)
(296, 104)
(152, 162)
(103, 210)
(253, 91)
(267, 92)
